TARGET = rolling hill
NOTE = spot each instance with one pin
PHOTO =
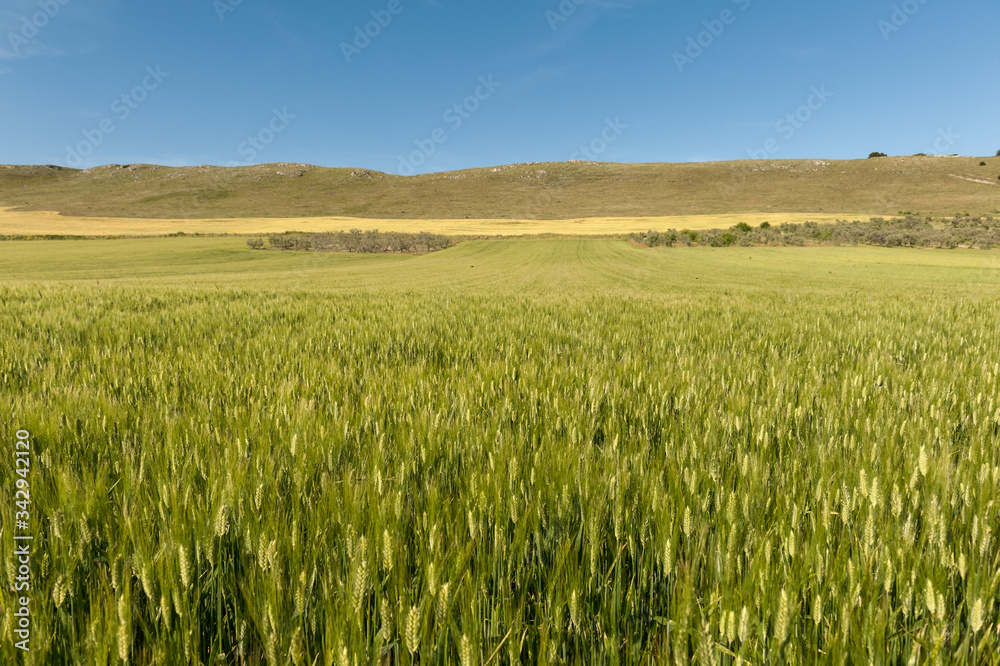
(543, 191)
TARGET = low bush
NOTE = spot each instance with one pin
(356, 240)
(909, 231)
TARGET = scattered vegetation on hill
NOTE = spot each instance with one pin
(355, 240)
(554, 190)
(963, 231)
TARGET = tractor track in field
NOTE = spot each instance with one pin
(974, 180)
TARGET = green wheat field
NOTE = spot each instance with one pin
(507, 452)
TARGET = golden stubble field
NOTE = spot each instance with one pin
(14, 222)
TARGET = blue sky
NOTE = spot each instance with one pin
(438, 85)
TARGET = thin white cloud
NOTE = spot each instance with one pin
(569, 21)
(19, 32)
(32, 49)
(13, 11)
(27, 26)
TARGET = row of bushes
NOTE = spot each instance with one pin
(355, 240)
(24, 237)
(910, 231)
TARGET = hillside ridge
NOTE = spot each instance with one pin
(534, 190)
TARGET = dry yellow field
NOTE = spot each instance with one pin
(49, 223)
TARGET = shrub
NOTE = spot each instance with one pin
(910, 231)
(765, 225)
(654, 238)
(874, 155)
(255, 243)
(743, 226)
(356, 240)
(982, 164)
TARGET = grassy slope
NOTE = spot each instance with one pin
(536, 191)
(555, 267)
